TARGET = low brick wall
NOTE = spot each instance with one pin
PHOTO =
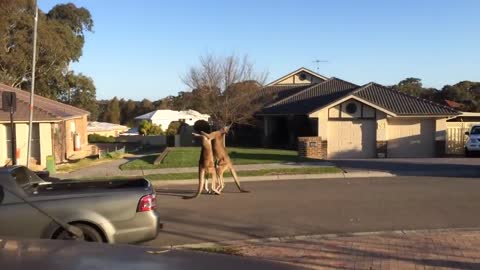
(312, 147)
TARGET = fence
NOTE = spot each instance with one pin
(144, 140)
(456, 137)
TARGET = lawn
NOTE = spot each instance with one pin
(265, 172)
(188, 157)
(86, 162)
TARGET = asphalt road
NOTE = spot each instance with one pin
(302, 207)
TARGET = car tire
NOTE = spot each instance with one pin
(90, 234)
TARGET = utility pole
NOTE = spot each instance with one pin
(317, 62)
(32, 90)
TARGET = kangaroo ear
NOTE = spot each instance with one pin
(196, 134)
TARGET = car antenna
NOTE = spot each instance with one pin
(76, 232)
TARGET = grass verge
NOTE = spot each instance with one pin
(188, 157)
(265, 172)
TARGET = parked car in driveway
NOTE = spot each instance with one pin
(473, 142)
(120, 211)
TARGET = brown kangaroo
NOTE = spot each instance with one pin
(223, 160)
(206, 165)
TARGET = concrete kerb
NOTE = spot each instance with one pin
(365, 174)
(251, 241)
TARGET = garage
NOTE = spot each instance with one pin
(351, 139)
(411, 138)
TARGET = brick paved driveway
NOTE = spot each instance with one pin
(392, 251)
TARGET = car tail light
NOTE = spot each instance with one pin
(147, 203)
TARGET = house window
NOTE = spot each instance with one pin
(351, 108)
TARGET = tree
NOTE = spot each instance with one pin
(81, 93)
(225, 88)
(145, 106)
(414, 87)
(112, 115)
(128, 112)
(60, 42)
(464, 92)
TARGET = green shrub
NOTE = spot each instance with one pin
(173, 128)
(96, 138)
(147, 128)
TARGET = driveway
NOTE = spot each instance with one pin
(306, 207)
(448, 167)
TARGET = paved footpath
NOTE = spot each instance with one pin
(397, 250)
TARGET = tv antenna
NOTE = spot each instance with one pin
(317, 62)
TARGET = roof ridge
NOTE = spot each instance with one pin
(298, 93)
(298, 70)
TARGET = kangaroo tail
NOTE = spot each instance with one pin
(235, 178)
(201, 183)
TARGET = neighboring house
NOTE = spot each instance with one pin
(165, 117)
(344, 120)
(105, 129)
(58, 129)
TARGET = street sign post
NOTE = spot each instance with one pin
(9, 104)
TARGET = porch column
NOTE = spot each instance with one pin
(267, 130)
(382, 138)
(440, 137)
(291, 130)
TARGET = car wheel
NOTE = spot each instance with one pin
(90, 234)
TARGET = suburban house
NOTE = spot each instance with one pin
(333, 118)
(59, 130)
(105, 129)
(165, 117)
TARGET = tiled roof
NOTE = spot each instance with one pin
(278, 92)
(44, 109)
(319, 95)
(400, 103)
(311, 98)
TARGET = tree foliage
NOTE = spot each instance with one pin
(146, 128)
(466, 93)
(60, 42)
(112, 113)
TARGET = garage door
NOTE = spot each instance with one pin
(411, 138)
(351, 139)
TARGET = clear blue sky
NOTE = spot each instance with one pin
(141, 48)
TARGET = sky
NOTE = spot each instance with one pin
(140, 49)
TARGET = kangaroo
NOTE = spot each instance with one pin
(206, 165)
(223, 160)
